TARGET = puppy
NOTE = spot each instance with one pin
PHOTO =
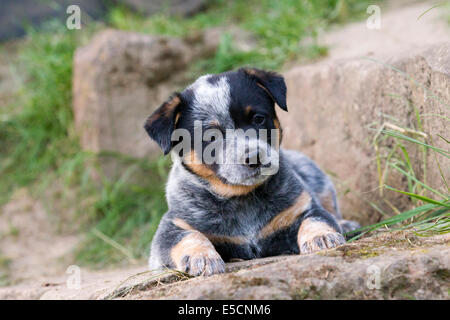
(270, 202)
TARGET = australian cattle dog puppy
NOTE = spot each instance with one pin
(232, 192)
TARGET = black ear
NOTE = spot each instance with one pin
(162, 122)
(272, 82)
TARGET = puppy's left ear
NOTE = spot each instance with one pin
(162, 122)
(272, 82)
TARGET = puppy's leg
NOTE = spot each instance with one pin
(319, 230)
(195, 254)
(182, 248)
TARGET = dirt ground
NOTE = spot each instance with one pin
(30, 242)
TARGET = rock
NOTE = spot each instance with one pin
(387, 266)
(336, 105)
(334, 109)
(395, 265)
(174, 7)
(242, 40)
(119, 79)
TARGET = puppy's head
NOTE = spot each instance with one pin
(224, 127)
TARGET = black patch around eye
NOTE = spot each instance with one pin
(258, 119)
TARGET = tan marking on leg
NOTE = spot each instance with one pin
(180, 223)
(196, 255)
(287, 217)
(314, 235)
(216, 239)
(193, 244)
(211, 237)
(218, 186)
(277, 125)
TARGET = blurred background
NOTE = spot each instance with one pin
(81, 183)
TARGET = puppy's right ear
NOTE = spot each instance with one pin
(162, 122)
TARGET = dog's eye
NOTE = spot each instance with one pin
(258, 119)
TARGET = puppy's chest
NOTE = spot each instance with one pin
(250, 231)
(244, 220)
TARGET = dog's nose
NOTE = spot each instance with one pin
(253, 159)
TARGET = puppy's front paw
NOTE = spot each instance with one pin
(203, 263)
(196, 255)
(326, 241)
(315, 235)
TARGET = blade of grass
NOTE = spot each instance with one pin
(398, 218)
(403, 137)
(428, 10)
(418, 181)
(423, 198)
(114, 244)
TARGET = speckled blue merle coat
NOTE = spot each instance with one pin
(221, 212)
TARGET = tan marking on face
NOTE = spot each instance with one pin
(248, 109)
(326, 199)
(287, 217)
(193, 245)
(277, 125)
(218, 186)
(214, 123)
(177, 117)
(250, 71)
(227, 190)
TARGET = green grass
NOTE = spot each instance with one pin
(278, 26)
(4, 270)
(126, 213)
(40, 150)
(37, 137)
(430, 200)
